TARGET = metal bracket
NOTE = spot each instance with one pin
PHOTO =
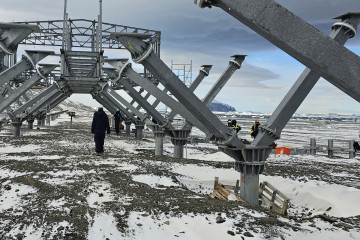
(38, 70)
(235, 63)
(205, 72)
(6, 49)
(346, 25)
(144, 55)
(270, 131)
(28, 59)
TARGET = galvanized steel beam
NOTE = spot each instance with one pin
(20, 91)
(142, 53)
(29, 61)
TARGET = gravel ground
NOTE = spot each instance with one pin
(66, 185)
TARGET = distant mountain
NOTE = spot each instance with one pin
(221, 107)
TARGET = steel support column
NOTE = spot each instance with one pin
(159, 140)
(30, 123)
(127, 127)
(16, 128)
(179, 140)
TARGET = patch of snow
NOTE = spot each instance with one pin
(11, 198)
(319, 196)
(103, 226)
(154, 181)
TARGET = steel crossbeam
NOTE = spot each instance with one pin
(42, 103)
(20, 91)
(104, 103)
(234, 64)
(13, 34)
(129, 73)
(29, 61)
(142, 53)
(204, 72)
(107, 91)
(33, 101)
(111, 101)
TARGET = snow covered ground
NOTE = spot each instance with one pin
(52, 186)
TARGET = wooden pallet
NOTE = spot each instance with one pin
(224, 192)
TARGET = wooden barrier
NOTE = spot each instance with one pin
(278, 201)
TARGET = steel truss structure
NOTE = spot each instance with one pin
(84, 72)
(83, 34)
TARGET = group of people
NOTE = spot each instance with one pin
(254, 129)
(100, 125)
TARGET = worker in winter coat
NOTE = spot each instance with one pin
(117, 117)
(99, 126)
(229, 123)
(255, 129)
(235, 126)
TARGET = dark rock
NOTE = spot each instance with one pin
(343, 225)
(247, 234)
(220, 219)
(327, 218)
(231, 233)
(7, 187)
(60, 228)
(328, 209)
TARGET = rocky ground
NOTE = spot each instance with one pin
(53, 186)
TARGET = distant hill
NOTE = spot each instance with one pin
(221, 107)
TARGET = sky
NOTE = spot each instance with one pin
(211, 36)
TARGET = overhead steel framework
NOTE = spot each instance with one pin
(82, 34)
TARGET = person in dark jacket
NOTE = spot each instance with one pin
(99, 126)
(235, 126)
(117, 117)
(255, 129)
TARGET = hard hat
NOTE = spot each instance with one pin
(257, 121)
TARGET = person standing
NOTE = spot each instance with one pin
(100, 125)
(235, 126)
(255, 129)
(117, 117)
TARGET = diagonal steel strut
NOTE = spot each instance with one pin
(299, 39)
(142, 53)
